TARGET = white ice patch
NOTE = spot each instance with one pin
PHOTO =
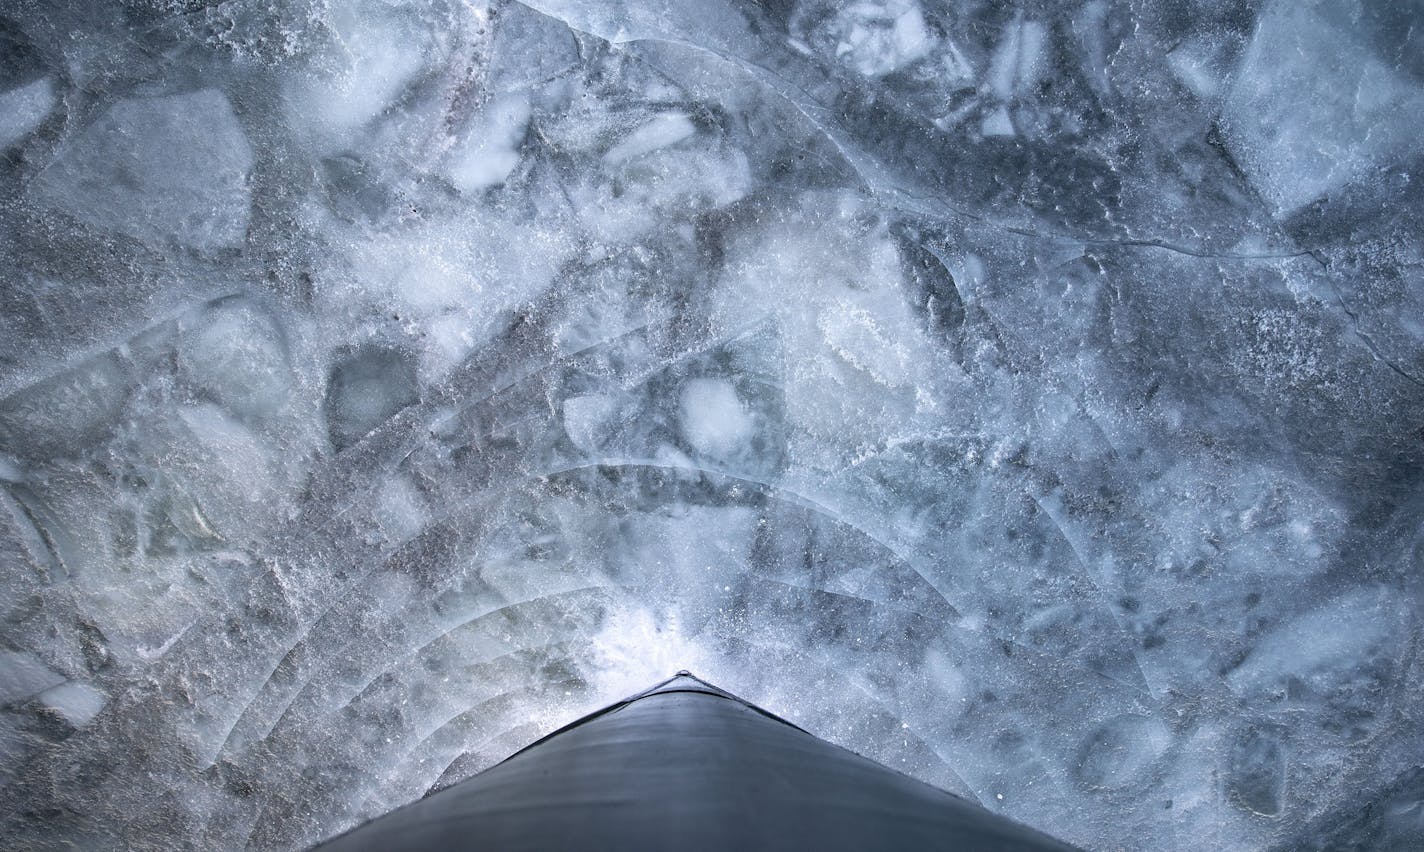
(714, 419)
(449, 338)
(450, 281)
(157, 650)
(1018, 59)
(373, 58)
(659, 173)
(1322, 645)
(1198, 63)
(997, 123)
(836, 291)
(490, 149)
(237, 355)
(235, 476)
(401, 509)
(22, 109)
(854, 334)
(636, 648)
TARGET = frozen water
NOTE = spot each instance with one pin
(1025, 396)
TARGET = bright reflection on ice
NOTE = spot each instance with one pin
(636, 649)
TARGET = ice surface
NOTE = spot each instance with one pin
(1027, 397)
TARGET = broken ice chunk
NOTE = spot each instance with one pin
(355, 190)
(74, 702)
(23, 108)
(158, 169)
(490, 149)
(1311, 111)
(529, 47)
(365, 389)
(23, 675)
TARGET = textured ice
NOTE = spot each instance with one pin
(1027, 396)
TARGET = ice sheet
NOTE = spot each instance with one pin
(1027, 397)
